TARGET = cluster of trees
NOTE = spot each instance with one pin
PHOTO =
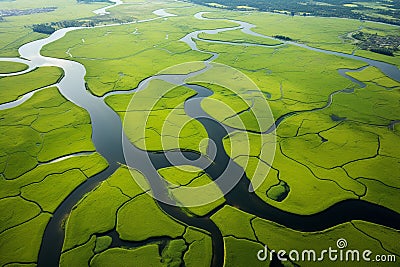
(43, 28)
(384, 51)
(324, 8)
(386, 45)
(282, 37)
(49, 28)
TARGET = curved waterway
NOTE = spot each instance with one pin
(389, 70)
(108, 137)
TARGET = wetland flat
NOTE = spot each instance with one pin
(168, 133)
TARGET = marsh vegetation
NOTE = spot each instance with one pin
(67, 196)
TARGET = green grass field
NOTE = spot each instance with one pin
(121, 62)
(237, 36)
(191, 187)
(340, 142)
(280, 74)
(247, 234)
(16, 31)
(15, 86)
(326, 33)
(154, 118)
(32, 185)
(10, 67)
(110, 206)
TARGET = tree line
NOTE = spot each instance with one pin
(333, 8)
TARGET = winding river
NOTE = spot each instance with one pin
(108, 137)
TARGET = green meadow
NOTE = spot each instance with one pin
(10, 67)
(237, 36)
(154, 118)
(247, 234)
(335, 141)
(15, 86)
(120, 204)
(16, 30)
(133, 52)
(321, 151)
(33, 184)
(325, 33)
(190, 187)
